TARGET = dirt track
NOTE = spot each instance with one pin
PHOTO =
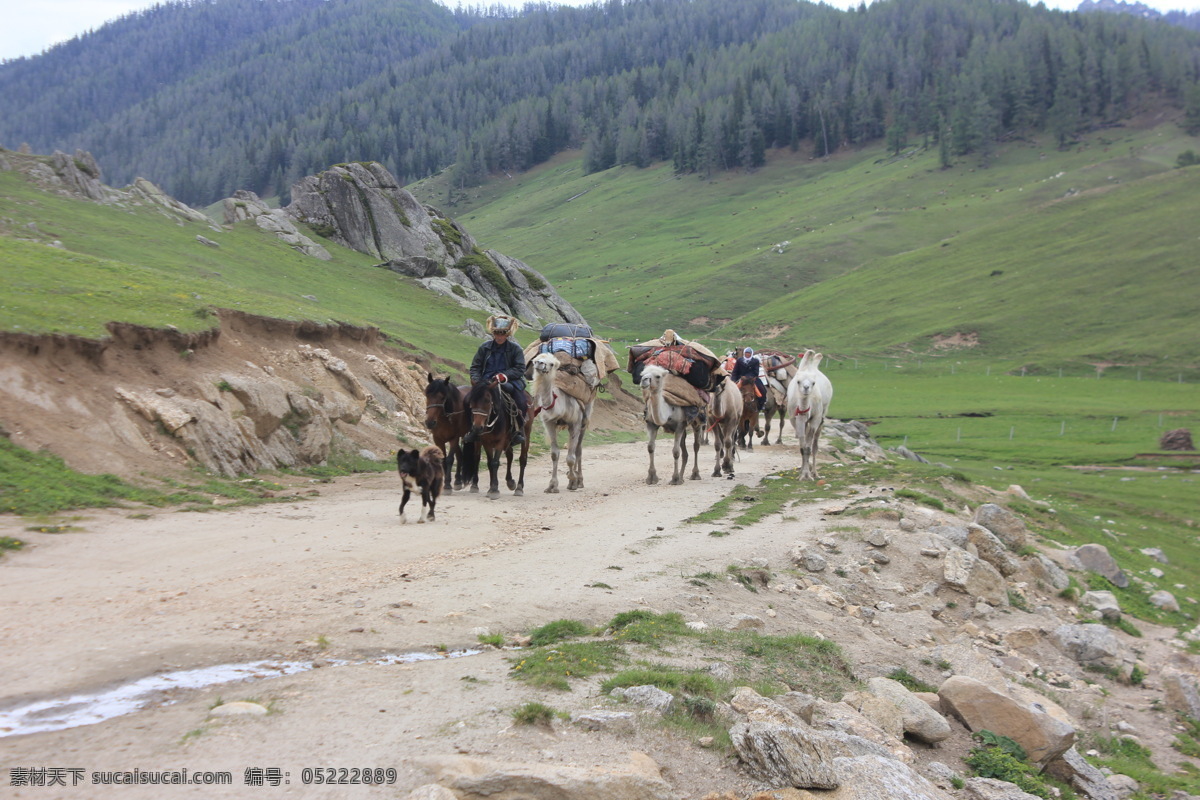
(337, 577)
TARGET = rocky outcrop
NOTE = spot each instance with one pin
(246, 205)
(363, 207)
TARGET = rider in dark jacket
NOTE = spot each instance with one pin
(749, 367)
(501, 359)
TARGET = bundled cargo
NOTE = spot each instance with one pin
(584, 361)
(565, 330)
(692, 362)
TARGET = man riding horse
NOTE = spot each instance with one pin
(501, 360)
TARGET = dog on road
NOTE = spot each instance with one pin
(420, 470)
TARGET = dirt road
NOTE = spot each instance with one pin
(337, 580)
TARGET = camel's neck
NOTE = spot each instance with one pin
(658, 410)
(543, 388)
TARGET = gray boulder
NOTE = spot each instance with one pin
(1092, 644)
(981, 706)
(1095, 558)
(785, 755)
(1074, 770)
(1105, 603)
(919, 720)
(974, 576)
(992, 550)
(1008, 527)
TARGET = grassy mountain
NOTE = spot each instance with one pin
(1046, 258)
(132, 263)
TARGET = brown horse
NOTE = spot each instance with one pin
(448, 420)
(748, 425)
(493, 431)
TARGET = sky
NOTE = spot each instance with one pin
(31, 26)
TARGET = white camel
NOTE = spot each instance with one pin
(558, 409)
(725, 410)
(673, 419)
(808, 396)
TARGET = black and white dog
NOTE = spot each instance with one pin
(420, 470)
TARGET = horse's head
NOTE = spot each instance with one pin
(481, 400)
(441, 400)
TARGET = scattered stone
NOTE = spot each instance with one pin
(1095, 558)
(993, 789)
(975, 577)
(474, 777)
(1155, 553)
(784, 755)
(989, 547)
(1007, 526)
(746, 622)
(1123, 785)
(877, 538)
(1075, 770)
(1090, 645)
(908, 525)
(648, 696)
(617, 721)
(1181, 691)
(919, 720)
(1105, 603)
(1164, 600)
(1044, 568)
(239, 708)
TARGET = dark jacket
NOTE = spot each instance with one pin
(491, 359)
(746, 368)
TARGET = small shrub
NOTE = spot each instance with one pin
(492, 639)
(901, 675)
(534, 714)
(557, 631)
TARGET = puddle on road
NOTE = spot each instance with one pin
(88, 709)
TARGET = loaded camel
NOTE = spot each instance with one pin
(780, 369)
(558, 409)
(673, 419)
(725, 409)
(808, 399)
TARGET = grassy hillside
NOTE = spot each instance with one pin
(138, 265)
(1091, 249)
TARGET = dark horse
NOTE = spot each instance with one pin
(448, 419)
(490, 421)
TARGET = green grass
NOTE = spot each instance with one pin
(1051, 258)
(552, 666)
(1130, 758)
(558, 631)
(135, 265)
(534, 713)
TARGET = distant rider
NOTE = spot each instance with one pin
(748, 366)
(502, 360)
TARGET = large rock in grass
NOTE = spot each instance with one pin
(984, 707)
(1096, 558)
(785, 755)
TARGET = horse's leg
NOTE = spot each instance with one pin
(523, 460)
(493, 459)
(447, 462)
(652, 432)
(508, 478)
